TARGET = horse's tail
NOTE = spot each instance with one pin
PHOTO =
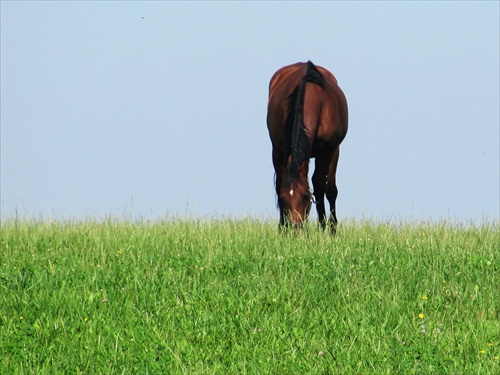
(296, 139)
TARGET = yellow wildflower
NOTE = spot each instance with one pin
(421, 315)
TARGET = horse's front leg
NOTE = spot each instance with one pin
(319, 185)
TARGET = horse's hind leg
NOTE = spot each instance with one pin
(331, 190)
(278, 160)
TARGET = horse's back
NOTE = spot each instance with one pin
(326, 108)
(289, 77)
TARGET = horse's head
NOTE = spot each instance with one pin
(296, 199)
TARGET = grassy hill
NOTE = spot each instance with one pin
(235, 296)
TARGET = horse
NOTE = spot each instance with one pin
(307, 118)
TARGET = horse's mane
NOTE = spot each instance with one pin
(297, 144)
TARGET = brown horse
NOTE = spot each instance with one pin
(306, 118)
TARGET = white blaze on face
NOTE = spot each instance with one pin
(291, 192)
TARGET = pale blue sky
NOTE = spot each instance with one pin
(155, 109)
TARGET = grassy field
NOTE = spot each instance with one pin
(236, 297)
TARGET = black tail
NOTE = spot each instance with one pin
(296, 139)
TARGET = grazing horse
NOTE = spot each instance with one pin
(306, 118)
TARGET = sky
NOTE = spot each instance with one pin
(158, 109)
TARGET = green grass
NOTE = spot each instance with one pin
(236, 297)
